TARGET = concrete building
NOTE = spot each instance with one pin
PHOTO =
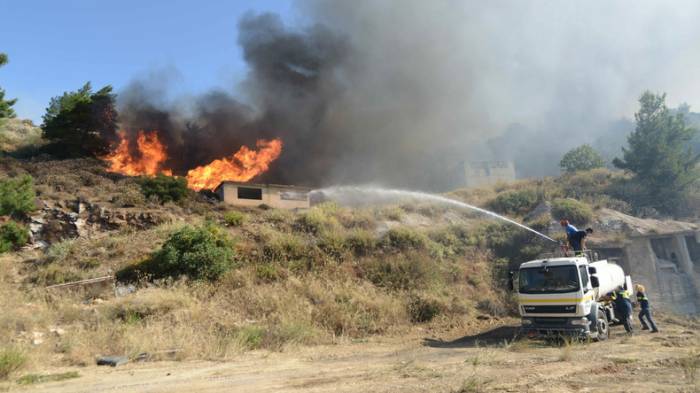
(484, 173)
(664, 256)
(273, 195)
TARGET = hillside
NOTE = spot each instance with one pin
(326, 276)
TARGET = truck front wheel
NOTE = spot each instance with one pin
(602, 327)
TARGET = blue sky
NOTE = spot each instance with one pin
(57, 45)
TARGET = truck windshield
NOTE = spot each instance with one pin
(549, 279)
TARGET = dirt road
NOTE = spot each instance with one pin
(665, 362)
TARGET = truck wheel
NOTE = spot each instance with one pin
(602, 327)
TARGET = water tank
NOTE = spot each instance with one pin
(610, 277)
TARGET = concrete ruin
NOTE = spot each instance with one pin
(664, 256)
(273, 195)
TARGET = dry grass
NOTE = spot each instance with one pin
(300, 278)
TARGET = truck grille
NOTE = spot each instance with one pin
(550, 321)
(550, 309)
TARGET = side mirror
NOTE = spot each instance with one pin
(510, 281)
(592, 270)
(594, 282)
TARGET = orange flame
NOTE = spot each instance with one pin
(244, 165)
(152, 156)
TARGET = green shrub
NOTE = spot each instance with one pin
(250, 337)
(582, 158)
(423, 310)
(283, 247)
(404, 238)
(360, 241)
(316, 220)
(17, 196)
(576, 212)
(399, 272)
(332, 243)
(11, 360)
(12, 236)
(267, 272)
(512, 243)
(515, 202)
(165, 188)
(234, 218)
(197, 252)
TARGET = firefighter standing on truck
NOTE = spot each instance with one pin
(575, 238)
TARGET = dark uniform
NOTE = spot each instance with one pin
(645, 312)
(623, 306)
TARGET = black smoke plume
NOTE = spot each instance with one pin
(398, 92)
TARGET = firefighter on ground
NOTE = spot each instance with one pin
(576, 238)
(623, 307)
(645, 311)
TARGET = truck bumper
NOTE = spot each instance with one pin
(555, 327)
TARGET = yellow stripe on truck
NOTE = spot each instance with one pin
(560, 300)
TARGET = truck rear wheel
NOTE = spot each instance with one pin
(602, 327)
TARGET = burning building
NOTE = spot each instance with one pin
(273, 195)
(147, 155)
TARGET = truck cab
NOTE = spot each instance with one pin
(565, 296)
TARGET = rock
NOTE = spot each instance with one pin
(37, 338)
(123, 290)
(113, 361)
(57, 331)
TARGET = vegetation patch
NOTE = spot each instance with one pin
(514, 202)
(233, 218)
(164, 188)
(576, 212)
(17, 196)
(11, 360)
(197, 252)
(12, 236)
(31, 379)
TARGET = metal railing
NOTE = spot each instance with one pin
(563, 252)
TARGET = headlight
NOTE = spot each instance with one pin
(527, 321)
(580, 322)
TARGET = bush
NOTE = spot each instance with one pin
(316, 220)
(11, 360)
(284, 247)
(166, 188)
(332, 243)
(12, 236)
(399, 272)
(17, 196)
(423, 310)
(197, 252)
(234, 218)
(404, 238)
(582, 158)
(360, 241)
(576, 212)
(129, 197)
(267, 273)
(515, 202)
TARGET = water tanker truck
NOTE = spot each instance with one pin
(568, 296)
